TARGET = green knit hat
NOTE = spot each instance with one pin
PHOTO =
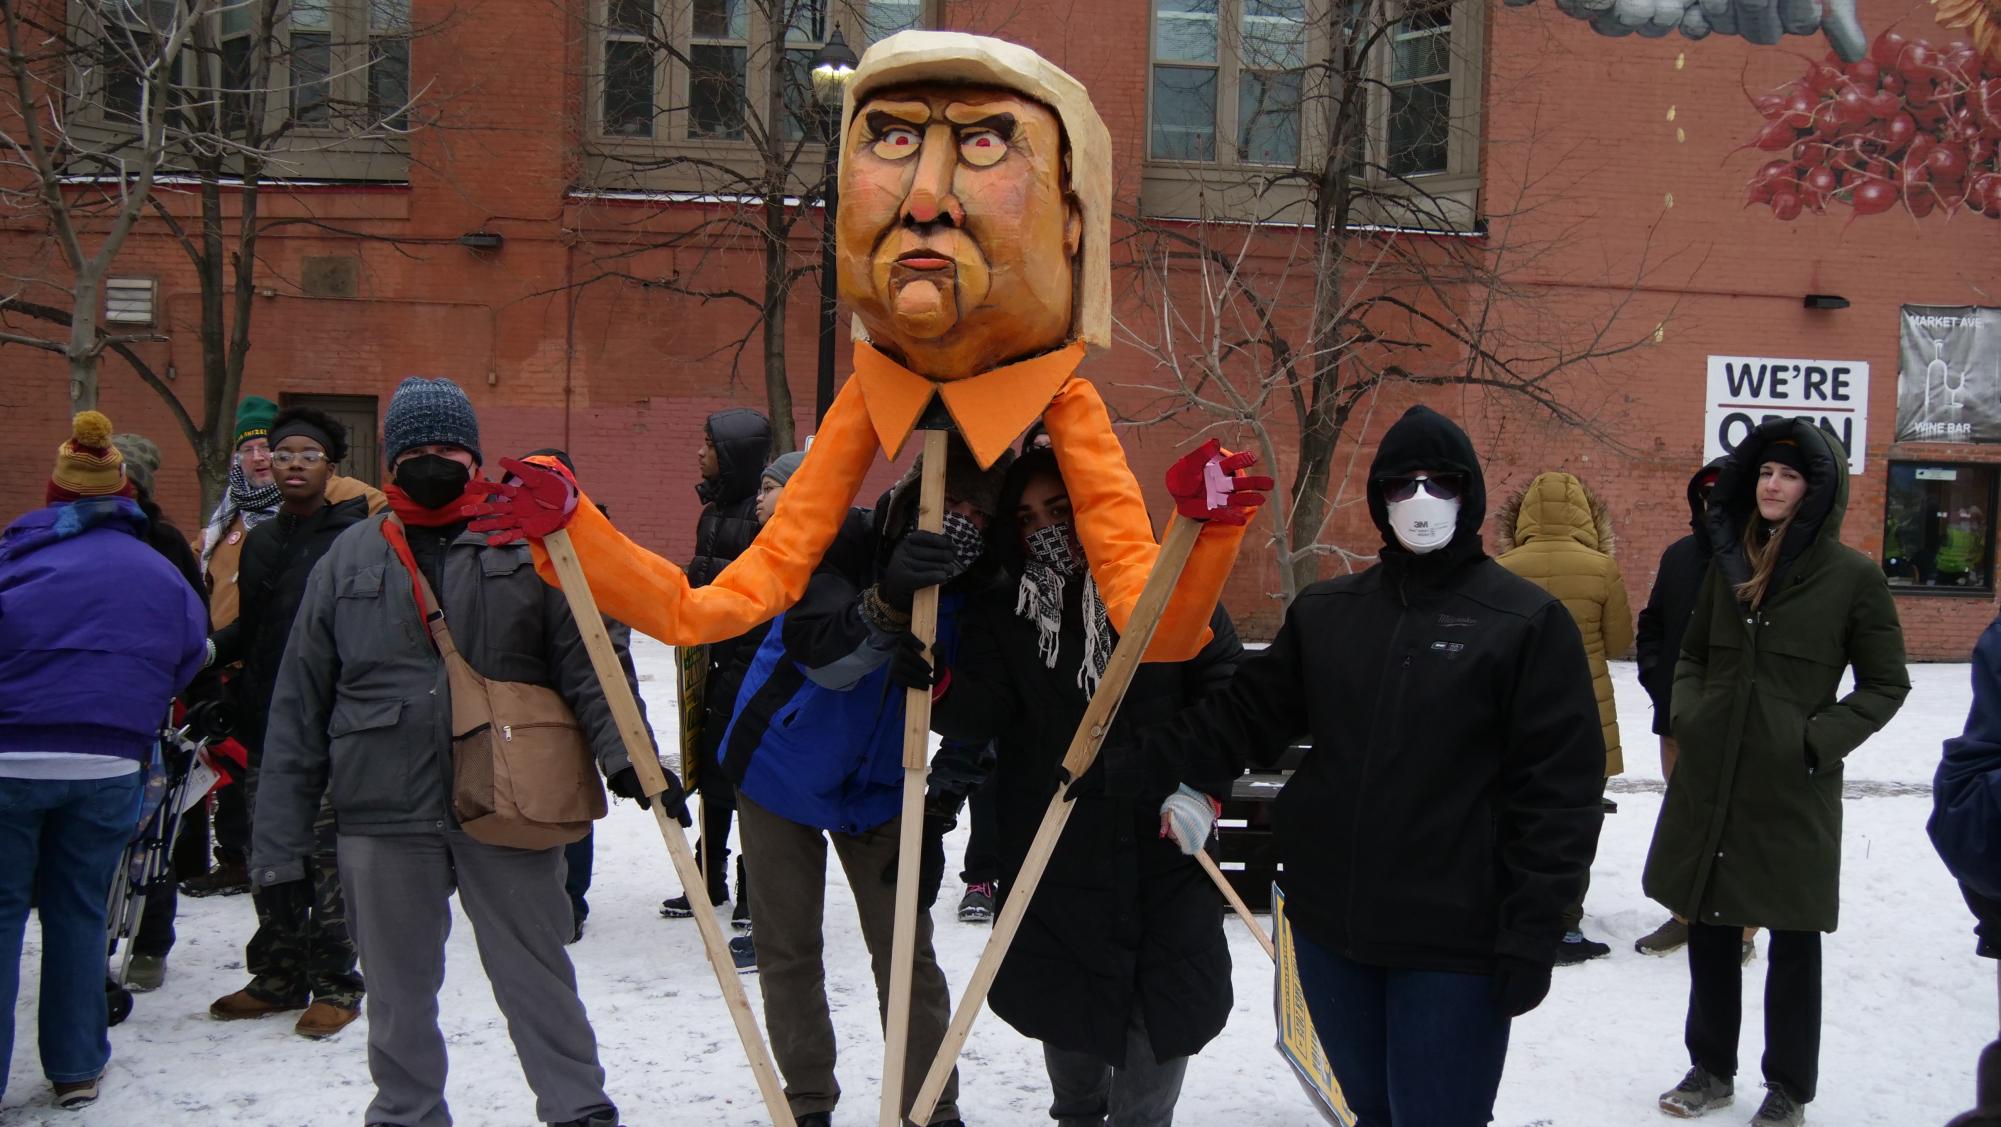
(253, 419)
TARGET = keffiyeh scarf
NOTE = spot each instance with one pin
(254, 503)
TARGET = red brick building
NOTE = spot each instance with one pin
(1601, 176)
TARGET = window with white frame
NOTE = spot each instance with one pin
(697, 76)
(1241, 91)
(336, 93)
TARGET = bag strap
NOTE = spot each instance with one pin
(429, 607)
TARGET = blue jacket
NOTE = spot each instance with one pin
(816, 736)
(1966, 794)
(98, 632)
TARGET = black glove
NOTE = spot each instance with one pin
(1091, 784)
(625, 784)
(919, 560)
(909, 668)
(930, 861)
(288, 901)
(1519, 984)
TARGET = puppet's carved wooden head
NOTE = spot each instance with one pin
(974, 224)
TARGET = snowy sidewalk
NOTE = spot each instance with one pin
(1908, 1005)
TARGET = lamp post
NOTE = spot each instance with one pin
(833, 67)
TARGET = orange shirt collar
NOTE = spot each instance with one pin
(990, 409)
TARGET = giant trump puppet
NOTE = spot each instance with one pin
(974, 245)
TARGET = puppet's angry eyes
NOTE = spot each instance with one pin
(897, 142)
(979, 147)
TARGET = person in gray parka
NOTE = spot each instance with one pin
(362, 710)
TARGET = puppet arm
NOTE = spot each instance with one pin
(652, 595)
(1117, 534)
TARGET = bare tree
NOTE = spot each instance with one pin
(1343, 256)
(40, 153)
(744, 141)
(223, 100)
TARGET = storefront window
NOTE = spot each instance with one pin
(1938, 526)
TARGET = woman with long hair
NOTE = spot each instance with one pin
(1750, 830)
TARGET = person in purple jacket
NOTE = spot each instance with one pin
(98, 632)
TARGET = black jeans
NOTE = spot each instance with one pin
(983, 845)
(1792, 1004)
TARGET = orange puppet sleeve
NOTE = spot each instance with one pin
(652, 595)
(1117, 534)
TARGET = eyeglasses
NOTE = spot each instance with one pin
(303, 457)
(1445, 487)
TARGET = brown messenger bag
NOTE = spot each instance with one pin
(523, 774)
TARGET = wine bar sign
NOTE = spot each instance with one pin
(1949, 378)
(1745, 391)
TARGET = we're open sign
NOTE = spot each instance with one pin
(1745, 391)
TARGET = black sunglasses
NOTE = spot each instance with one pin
(1445, 487)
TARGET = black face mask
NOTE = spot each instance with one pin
(431, 480)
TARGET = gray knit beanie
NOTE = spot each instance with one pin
(784, 466)
(426, 413)
(142, 459)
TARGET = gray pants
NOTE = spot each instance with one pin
(1091, 1093)
(788, 899)
(399, 907)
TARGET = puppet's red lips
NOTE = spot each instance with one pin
(923, 260)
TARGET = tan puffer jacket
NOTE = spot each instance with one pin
(1557, 535)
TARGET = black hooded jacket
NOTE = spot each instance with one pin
(1448, 809)
(1123, 921)
(1665, 617)
(278, 558)
(742, 438)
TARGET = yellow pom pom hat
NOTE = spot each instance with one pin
(88, 465)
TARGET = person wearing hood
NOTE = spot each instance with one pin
(815, 751)
(1750, 829)
(736, 444)
(361, 718)
(1657, 645)
(297, 959)
(1122, 971)
(1558, 536)
(1448, 809)
(98, 633)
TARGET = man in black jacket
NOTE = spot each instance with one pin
(1449, 808)
(295, 957)
(736, 446)
(1663, 621)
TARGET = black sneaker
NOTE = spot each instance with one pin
(677, 908)
(977, 905)
(740, 915)
(1699, 1093)
(1779, 1109)
(815, 1119)
(1666, 939)
(607, 1117)
(1576, 949)
(226, 880)
(743, 952)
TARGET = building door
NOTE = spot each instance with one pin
(364, 443)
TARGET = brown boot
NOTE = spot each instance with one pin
(324, 1019)
(243, 1004)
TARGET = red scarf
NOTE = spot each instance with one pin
(410, 512)
(420, 517)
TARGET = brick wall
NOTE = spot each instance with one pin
(1614, 160)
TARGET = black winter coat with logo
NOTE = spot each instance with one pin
(1448, 809)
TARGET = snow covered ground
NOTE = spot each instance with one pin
(1908, 1005)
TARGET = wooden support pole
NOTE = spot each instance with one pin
(916, 761)
(639, 746)
(1098, 715)
(1242, 909)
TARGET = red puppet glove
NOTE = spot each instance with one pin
(1207, 485)
(534, 500)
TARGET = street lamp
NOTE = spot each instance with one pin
(833, 68)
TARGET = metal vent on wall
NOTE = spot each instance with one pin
(331, 276)
(128, 301)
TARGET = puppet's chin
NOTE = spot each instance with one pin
(925, 309)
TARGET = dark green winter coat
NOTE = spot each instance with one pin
(1750, 832)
